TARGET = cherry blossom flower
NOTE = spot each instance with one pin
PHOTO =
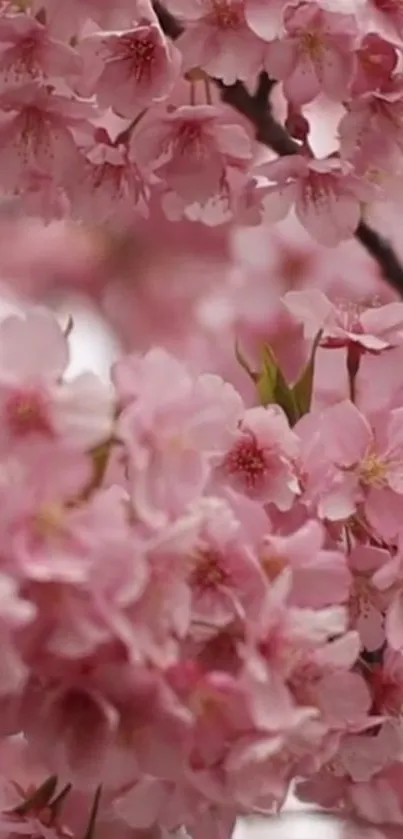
(33, 403)
(260, 461)
(358, 466)
(316, 55)
(319, 576)
(372, 328)
(372, 125)
(131, 69)
(29, 53)
(175, 432)
(218, 39)
(35, 132)
(326, 194)
(108, 187)
(224, 576)
(191, 150)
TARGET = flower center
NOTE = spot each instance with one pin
(190, 142)
(140, 53)
(226, 15)
(373, 470)
(49, 521)
(208, 571)
(312, 45)
(27, 413)
(247, 461)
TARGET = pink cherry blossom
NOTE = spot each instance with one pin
(191, 150)
(373, 329)
(320, 577)
(218, 39)
(325, 193)
(175, 432)
(260, 461)
(372, 125)
(358, 466)
(29, 53)
(107, 186)
(35, 132)
(316, 55)
(131, 69)
(33, 403)
(224, 576)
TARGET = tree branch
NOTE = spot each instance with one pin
(256, 108)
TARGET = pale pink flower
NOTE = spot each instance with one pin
(326, 195)
(320, 577)
(372, 126)
(218, 39)
(370, 328)
(34, 402)
(29, 53)
(285, 636)
(36, 132)
(129, 70)
(316, 55)
(351, 466)
(191, 149)
(261, 459)
(225, 577)
(108, 187)
(172, 435)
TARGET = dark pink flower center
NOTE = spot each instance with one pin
(226, 15)
(246, 461)
(27, 412)
(140, 53)
(208, 571)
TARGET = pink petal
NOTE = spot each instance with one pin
(394, 623)
(328, 215)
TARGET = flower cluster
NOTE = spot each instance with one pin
(105, 114)
(201, 600)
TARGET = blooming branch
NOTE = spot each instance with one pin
(256, 108)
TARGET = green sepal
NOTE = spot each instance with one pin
(302, 390)
(39, 799)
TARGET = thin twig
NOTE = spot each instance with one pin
(256, 108)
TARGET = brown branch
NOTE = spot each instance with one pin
(256, 108)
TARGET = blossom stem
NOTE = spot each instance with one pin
(353, 363)
(256, 108)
